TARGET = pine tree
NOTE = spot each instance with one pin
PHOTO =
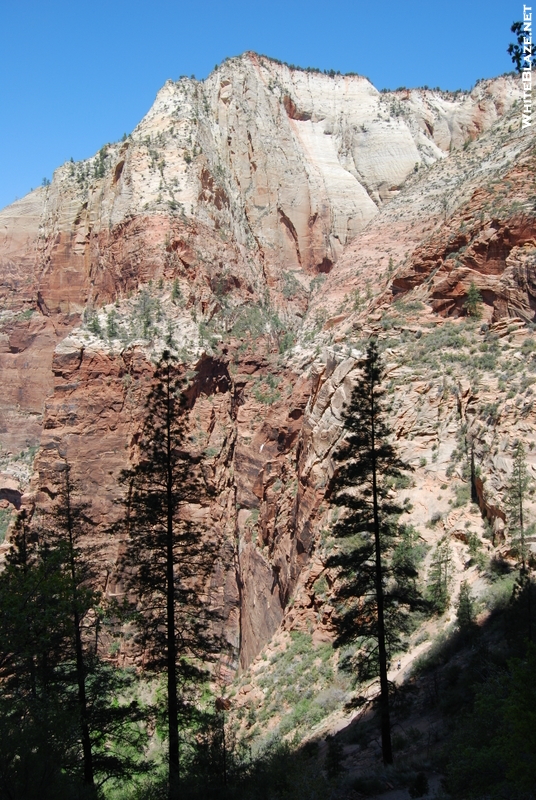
(51, 673)
(523, 51)
(473, 301)
(515, 496)
(176, 295)
(39, 738)
(440, 577)
(376, 591)
(170, 557)
(516, 492)
(465, 609)
(64, 534)
(93, 685)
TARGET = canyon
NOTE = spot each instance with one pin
(263, 224)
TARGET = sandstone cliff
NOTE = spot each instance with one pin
(263, 223)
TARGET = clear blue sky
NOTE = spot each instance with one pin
(75, 74)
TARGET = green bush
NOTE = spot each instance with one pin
(5, 519)
(286, 341)
(91, 320)
(112, 329)
(265, 390)
(290, 285)
(498, 595)
(463, 495)
(176, 294)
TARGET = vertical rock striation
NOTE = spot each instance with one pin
(260, 221)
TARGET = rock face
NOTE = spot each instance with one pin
(290, 164)
(262, 224)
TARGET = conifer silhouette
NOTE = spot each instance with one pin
(376, 591)
(60, 703)
(169, 556)
(516, 492)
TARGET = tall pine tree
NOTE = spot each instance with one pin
(440, 577)
(65, 708)
(376, 591)
(64, 533)
(111, 730)
(37, 720)
(515, 499)
(169, 556)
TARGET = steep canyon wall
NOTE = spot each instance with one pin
(263, 222)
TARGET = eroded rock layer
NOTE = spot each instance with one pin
(262, 224)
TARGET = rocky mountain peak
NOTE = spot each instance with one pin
(265, 221)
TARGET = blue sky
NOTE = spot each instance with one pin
(76, 74)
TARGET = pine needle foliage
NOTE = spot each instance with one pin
(465, 610)
(38, 730)
(515, 497)
(474, 301)
(376, 591)
(169, 556)
(111, 735)
(440, 577)
(522, 51)
(62, 708)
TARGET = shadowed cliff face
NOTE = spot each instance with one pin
(261, 223)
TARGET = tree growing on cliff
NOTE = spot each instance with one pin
(474, 301)
(376, 591)
(515, 498)
(169, 556)
(440, 577)
(465, 610)
(516, 492)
